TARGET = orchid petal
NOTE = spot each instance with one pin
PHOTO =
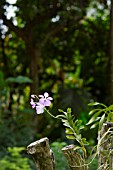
(39, 109)
(32, 103)
(47, 103)
(50, 98)
(41, 101)
(41, 96)
(33, 96)
(46, 94)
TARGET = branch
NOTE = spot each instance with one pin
(52, 12)
(58, 28)
(10, 25)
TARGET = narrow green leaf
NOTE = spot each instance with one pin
(101, 121)
(81, 127)
(91, 120)
(94, 117)
(93, 111)
(60, 110)
(93, 103)
(60, 116)
(101, 104)
(96, 103)
(94, 125)
(66, 124)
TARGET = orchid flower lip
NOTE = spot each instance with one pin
(39, 108)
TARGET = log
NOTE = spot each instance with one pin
(74, 159)
(42, 154)
(105, 142)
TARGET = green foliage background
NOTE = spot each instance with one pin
(57, 46)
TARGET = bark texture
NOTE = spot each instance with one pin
(105, 141)
(42, 154)
(74, 159)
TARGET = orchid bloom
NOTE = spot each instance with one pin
(33, 104)
(44, 100)
(39, 108)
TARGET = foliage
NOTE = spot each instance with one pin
(93, 165)
(73, 127)
(14, 132)
(14, 160)
(61, 163)
(18, 79)
(57, 46)
(100, 115)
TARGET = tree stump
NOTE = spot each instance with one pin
(105, 154)
(42, 154)
(74, 159)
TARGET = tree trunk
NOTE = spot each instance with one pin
(42, 154)
(74, 159)
(34, 64)
(105, 142)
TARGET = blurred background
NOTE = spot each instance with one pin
(62, 47)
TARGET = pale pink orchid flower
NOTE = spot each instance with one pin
(45, 100)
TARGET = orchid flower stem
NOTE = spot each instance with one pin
(50, 113)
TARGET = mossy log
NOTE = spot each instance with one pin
(74, 159)
(42, 154)
(105, 144)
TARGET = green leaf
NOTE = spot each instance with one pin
(96, 103)
(81, 127)
(94, 117)
(66, 124)
(19, 79)
(84, 141)
(93, 103)
(111, 107)
(69, 131)
(93, 111)
(94, 125)
(68, 110)
(70, 137)
(60, 110)
(101, 121)
(60, 116)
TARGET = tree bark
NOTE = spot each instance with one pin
(74, 159)
(34, 71)
(42, 154)
(105, 154)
